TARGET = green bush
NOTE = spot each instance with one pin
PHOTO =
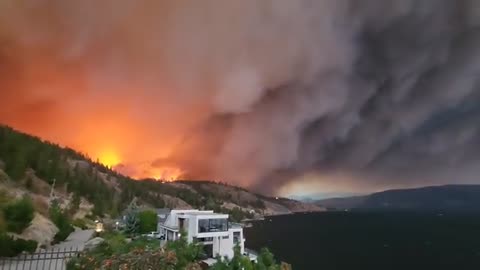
(186, 253)
(18, 215)
(80, 223)
(10, 247)
(147, 221)
(116, 253)
(142, 253)
(60, 219)
(265, 261)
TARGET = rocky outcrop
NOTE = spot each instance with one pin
(41, 230)
(275, 209)
(85, 208)
(92, 243)
(3, 176)
(174, 202)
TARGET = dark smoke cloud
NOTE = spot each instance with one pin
(263, 93)
(406, 110)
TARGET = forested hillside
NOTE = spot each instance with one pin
(74, 172)
(26, 159)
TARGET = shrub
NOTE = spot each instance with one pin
(3, 225)
(18, 215)
(266, 258)
(143, 253)
(60, 219)
(147, 221)
(80, 223)
(134, 260)
(185, 252)
(265, 261)
(10, 247)
(4, 198)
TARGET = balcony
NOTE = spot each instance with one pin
(212, 225)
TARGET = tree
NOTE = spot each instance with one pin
(265, 261)
(210, 203)
(186, 253)
(60, 219)
(28, 181)
(19, 214)
(147, 221)
(131, 219)
(17, 167)
(74, 204)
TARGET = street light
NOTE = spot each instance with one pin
(99, 227)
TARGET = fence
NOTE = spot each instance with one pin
(43, 260)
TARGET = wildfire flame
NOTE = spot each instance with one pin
(113, 160)
(109, 159)
(168, 174)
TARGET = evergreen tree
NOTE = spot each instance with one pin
(74, 204)
(131, 219)
(60, 219)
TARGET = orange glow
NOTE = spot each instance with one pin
(167, 173)
(109, 159)
(69, 89)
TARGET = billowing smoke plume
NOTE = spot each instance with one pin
(255, 93)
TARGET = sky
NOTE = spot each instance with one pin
(279, 96)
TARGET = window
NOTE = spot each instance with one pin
(236, 237)
(205, 239)
(169, 235)
(225, 237)
(212, 225)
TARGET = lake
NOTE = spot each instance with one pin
(370, 240)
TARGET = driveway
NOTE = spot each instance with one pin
(75, 241)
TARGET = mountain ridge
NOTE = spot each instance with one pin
(451, 197)
(109, 190)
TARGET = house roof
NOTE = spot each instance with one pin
(163, 214)
(205, 214)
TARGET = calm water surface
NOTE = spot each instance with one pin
(383, 241)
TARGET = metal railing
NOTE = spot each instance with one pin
(55, 259)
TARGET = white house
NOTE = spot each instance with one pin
(213, 230)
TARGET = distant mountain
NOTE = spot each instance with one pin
(323, 195)
(456, 198)
(342, 203)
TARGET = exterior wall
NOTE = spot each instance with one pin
(223, 241)
(192, 229)
(241, 242)
(223, 247)
(172, 220)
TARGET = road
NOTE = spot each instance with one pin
(53, 258)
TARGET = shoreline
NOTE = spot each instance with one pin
(264, 217)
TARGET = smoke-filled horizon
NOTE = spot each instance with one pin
(281, 96)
